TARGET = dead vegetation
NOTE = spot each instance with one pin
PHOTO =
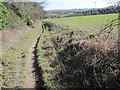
(89, 64)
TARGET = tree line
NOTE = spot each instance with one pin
(108, 10)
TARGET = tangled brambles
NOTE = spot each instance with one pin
(89, 64)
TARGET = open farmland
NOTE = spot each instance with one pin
(94, 22)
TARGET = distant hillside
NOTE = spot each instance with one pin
(83, 12)
(65, 11)
(68, 11)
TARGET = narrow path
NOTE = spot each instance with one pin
(34, 73)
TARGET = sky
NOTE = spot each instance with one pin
(72, 4)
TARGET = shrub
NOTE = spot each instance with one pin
(3, 16)
(28, 21)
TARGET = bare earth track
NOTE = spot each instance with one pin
(34, 73)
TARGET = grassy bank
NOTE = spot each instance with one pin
(47, 53)
(52, 42)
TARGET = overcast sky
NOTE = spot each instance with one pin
(71, 4)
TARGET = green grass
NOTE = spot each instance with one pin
(94, 22)
(44, 61)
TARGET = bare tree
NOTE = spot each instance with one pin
(109, 27)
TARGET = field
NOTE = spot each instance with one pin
(94, 22)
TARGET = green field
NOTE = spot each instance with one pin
(94, 22)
